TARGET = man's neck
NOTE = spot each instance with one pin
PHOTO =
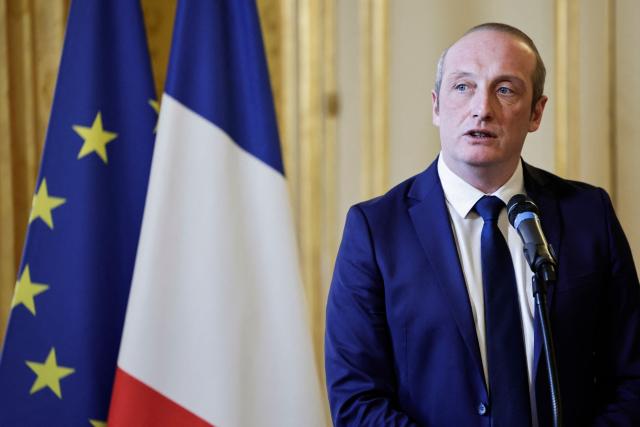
(487, 179)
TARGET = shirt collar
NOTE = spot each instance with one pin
(463, 196)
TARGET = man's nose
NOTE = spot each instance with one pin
(481, 107)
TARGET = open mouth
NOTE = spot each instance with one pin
(481, 134)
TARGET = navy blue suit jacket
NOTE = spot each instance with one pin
(401, 347)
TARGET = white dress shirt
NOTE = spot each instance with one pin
(467, 228)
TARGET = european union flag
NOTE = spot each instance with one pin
(61, 346)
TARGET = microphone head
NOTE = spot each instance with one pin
(518, 204)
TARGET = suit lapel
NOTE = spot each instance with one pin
(430, 218)
(540, 192)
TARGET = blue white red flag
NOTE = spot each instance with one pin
(216, 329)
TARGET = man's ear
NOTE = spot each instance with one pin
(536, 114)
(435, 109)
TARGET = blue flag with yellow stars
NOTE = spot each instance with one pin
(61, 346)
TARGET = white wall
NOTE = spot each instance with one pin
(628, 120)
(348, 126)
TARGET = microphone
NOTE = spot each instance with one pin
(523, 216)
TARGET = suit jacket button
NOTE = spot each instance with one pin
(482, 408)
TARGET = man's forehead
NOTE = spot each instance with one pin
(488, 35)
(490, 40)
(484, 47)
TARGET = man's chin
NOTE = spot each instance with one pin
(484, 159)
(480, 158)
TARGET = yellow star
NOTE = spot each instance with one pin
(26, 290)
(95, 138)
(96, 423)
(49, 374)
(42, 204)
(156, 107)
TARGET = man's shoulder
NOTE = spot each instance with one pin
(399, 196)
(394, 195)
(561, 188)
(420, 186)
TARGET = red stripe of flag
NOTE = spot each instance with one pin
(134, 403)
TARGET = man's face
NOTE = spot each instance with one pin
(483, 109)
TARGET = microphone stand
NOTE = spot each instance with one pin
(544, 277)
(523, 216)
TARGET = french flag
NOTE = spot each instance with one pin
(216, 329)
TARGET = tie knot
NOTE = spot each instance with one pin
(489, 207)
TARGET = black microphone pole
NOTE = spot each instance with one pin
(540, 284)
(523, 215)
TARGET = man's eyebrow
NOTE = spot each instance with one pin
(503, 77)
(510, 77)
(458, 74)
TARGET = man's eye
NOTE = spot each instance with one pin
(504, 90)
(461, 87)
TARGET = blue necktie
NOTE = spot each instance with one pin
(506, 360)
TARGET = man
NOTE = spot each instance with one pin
(426, 326)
